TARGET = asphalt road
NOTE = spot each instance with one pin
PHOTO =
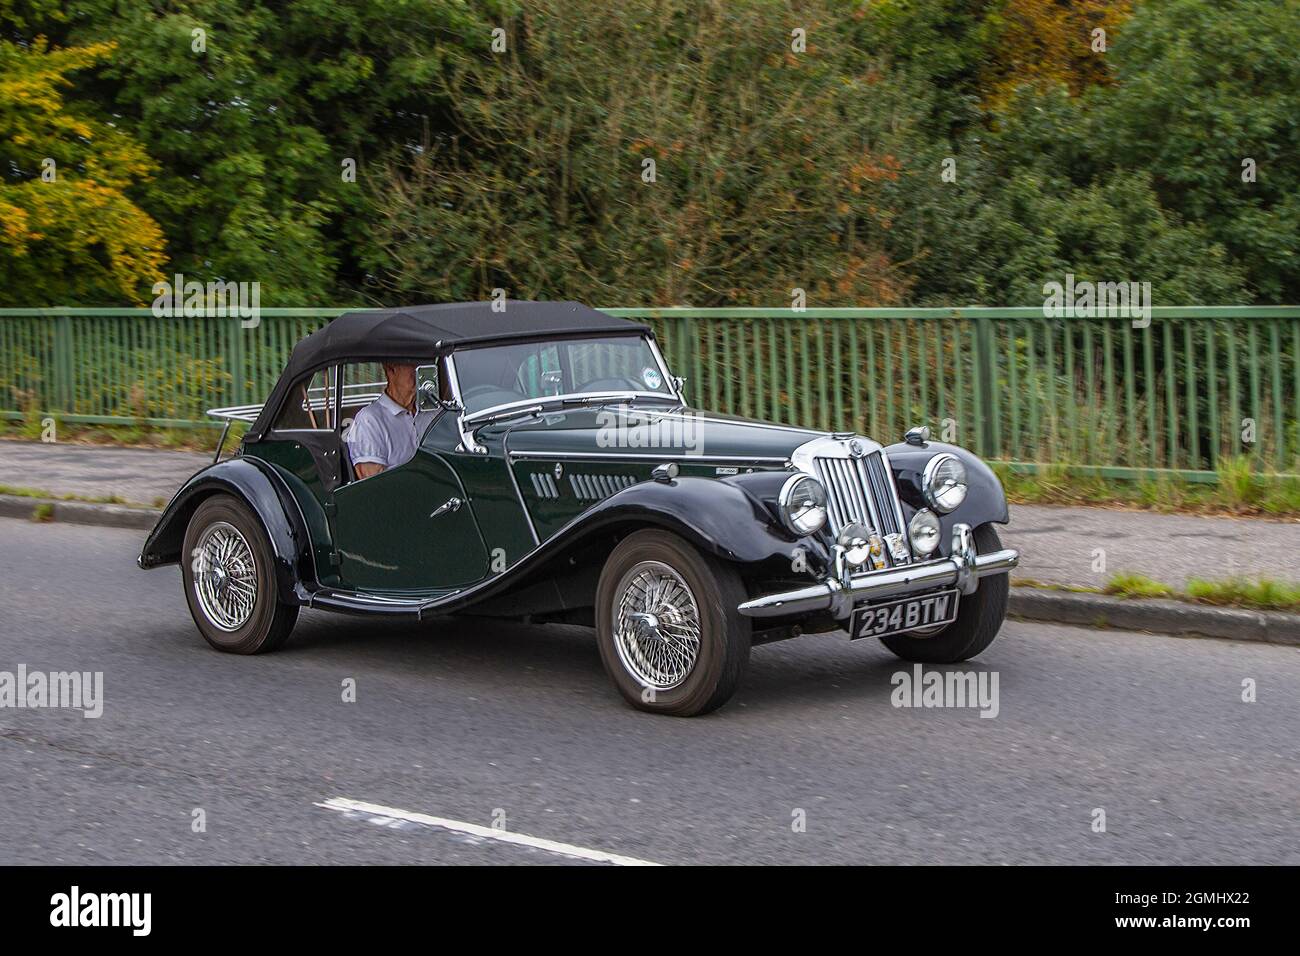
(467, 720)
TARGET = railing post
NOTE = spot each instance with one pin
(62, 399)
(235, 360)
(986, 382)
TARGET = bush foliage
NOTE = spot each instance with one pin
(775, 166)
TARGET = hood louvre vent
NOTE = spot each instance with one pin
(596, 487)
(544, 485)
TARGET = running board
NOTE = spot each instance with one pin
(356, 602)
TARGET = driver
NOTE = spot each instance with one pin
(387, 431)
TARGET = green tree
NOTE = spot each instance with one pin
(1201, 88)
(1028, 206)
(68, 231)
(252, 119)
(667, 153)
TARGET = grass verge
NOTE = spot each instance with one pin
(21, 492)
(1238, 491)
(1263, 594)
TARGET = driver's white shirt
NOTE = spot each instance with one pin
(385, 433)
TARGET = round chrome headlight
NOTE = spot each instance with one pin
(924, 531)
(803, 505)
(944, 483)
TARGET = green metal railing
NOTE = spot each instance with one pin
(1198, 385)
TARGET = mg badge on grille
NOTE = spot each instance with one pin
(559, 471)
(856, 449)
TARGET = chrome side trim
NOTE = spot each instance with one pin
(650, 456)
(745, 423)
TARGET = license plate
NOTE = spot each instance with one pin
(904, 614)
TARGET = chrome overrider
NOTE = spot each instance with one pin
(842, 590)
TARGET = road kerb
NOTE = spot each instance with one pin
(80, 512)
(1179, 618)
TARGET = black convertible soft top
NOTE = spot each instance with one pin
(424, 331)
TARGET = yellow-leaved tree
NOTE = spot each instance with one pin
(1037, 43)
(68, 230)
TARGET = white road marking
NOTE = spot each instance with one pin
(344, 805)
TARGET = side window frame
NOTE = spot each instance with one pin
(301, 391)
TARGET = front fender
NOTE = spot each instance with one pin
(258, 487)
(985, 500)
(731, 518)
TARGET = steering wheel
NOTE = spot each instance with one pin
(487, 390)
(614, 385)
(486, 396)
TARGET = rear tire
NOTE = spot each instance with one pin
(670, 636)
(229, 575)
(979, 618)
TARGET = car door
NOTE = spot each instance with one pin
(410, 528)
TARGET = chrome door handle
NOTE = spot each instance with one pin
(451, 504)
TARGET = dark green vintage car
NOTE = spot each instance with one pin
(560, 476)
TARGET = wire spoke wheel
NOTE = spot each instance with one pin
(656, 625)
(225, 576)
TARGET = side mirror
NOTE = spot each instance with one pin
(426, 388)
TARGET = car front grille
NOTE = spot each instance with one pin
(859, 490)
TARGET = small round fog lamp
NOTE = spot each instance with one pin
(855, 539)
(924, 531)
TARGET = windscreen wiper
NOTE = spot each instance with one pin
(600, 398)
(475, 421)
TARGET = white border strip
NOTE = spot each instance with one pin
(345, 805)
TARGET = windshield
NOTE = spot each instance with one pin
(502, 374)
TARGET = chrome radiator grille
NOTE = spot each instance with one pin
(859, 490)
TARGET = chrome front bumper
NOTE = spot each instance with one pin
(842, 592)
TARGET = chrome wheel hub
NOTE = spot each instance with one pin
(225, 576)
(656, 625)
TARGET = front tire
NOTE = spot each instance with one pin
(979, 618)
(670, 636)
(229, 579)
